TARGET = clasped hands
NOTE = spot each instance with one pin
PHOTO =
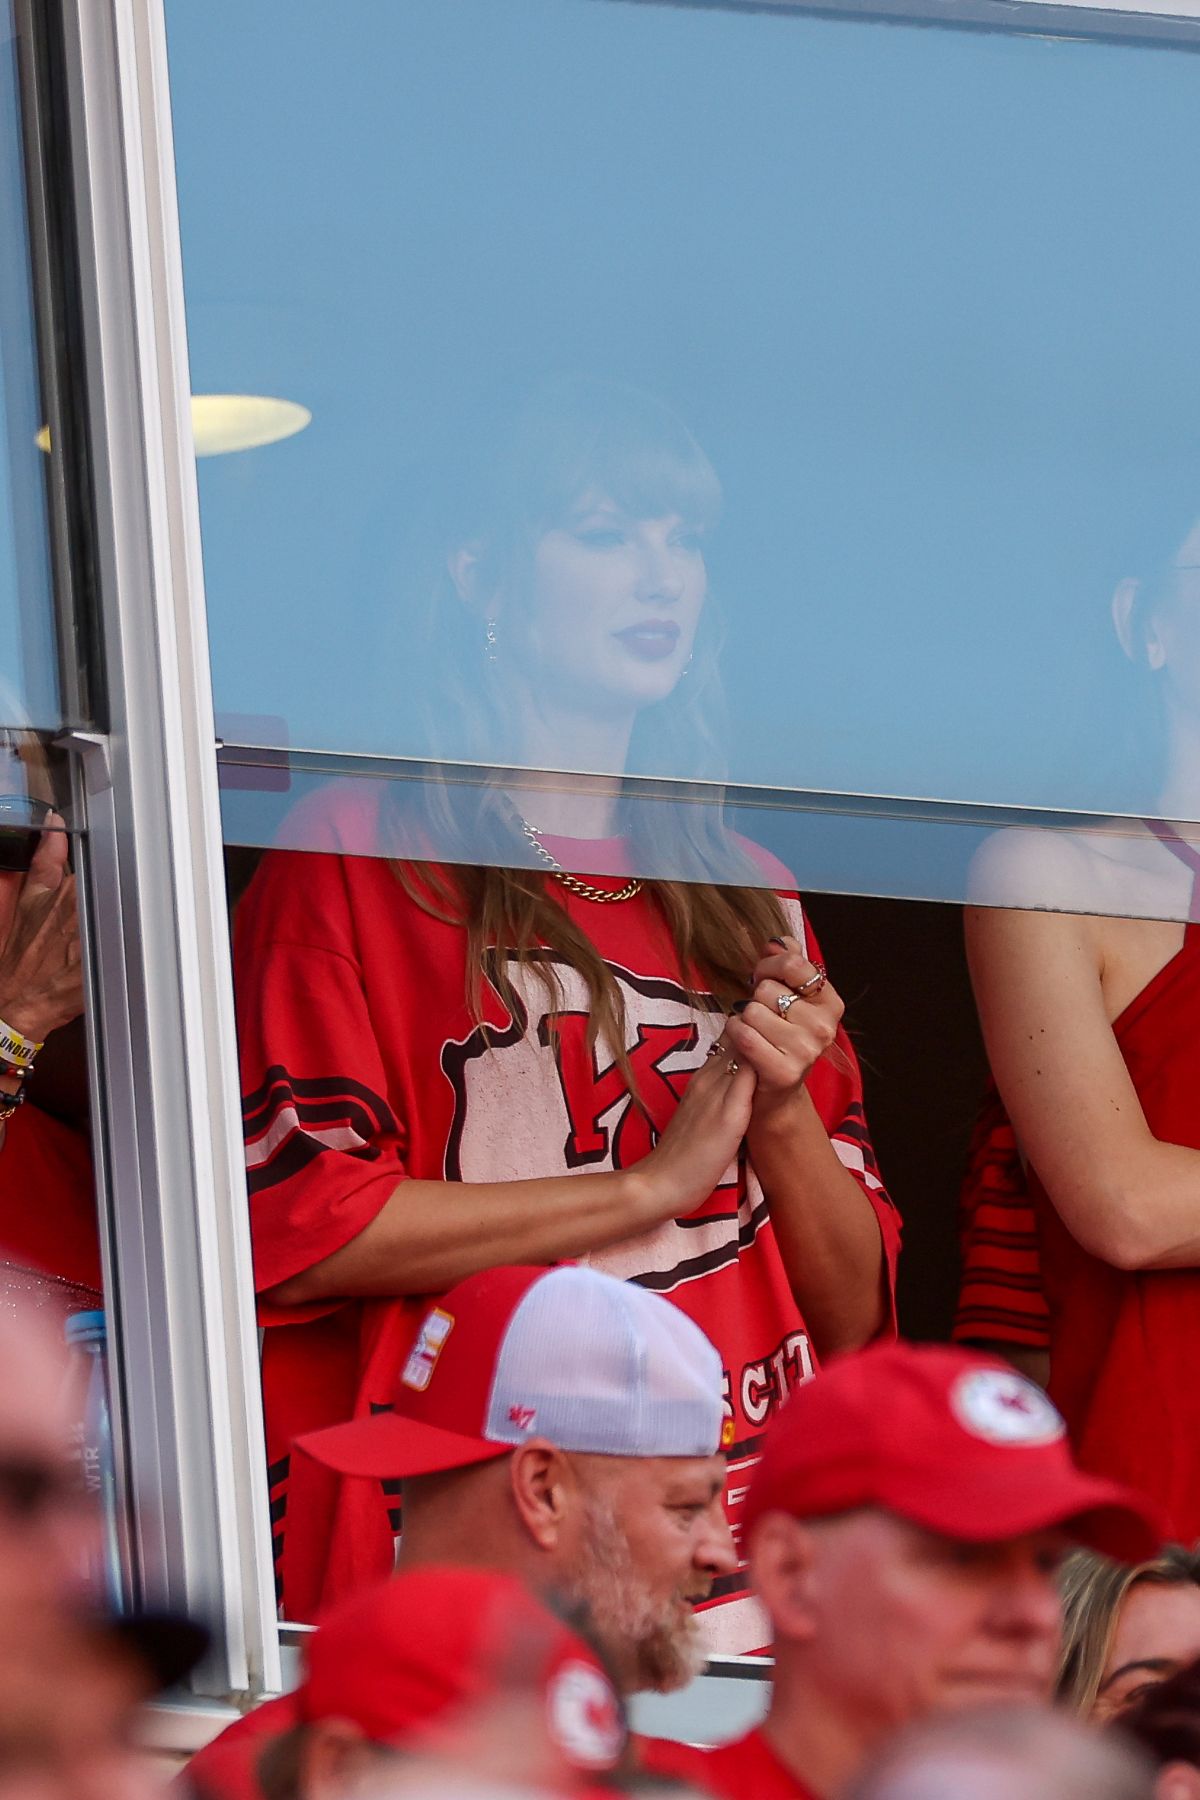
(786, 1026)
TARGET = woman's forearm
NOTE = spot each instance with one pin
(1138, 1208)
(828, 1235)
(1126, 1196)
(431, 1234)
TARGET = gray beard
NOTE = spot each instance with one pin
(648, 1648)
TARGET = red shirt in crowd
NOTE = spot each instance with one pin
(227, 1767)
(363, 1064)
(747, 1769)
(1000, 1298)
(47, 1200)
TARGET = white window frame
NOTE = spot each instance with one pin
(175, 1244)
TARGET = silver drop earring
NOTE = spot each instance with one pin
(491, 640)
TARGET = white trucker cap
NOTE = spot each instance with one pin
(588, 1362)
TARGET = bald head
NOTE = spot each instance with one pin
(32, 1383)
(1005, 1753)
(45, 1529)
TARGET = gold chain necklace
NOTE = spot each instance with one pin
(585, 889)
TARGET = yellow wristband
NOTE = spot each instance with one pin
(15, 1048)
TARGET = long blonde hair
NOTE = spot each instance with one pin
(718, 934)
(1093, 1589)
(574, 434)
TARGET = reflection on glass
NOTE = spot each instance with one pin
(449, 1066)
(566, 622)
(1093, 1031)
(25, 800)
(1123, 866)
(28, 665)
(944, 381)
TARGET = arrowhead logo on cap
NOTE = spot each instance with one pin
(1002, 1407)
(584, 1717)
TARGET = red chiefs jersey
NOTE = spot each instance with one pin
(1121, 1365)
(747, 1769)
(1000, 1295)
(363, 1064)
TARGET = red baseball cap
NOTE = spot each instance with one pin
(953, 1441)
(569, 1354)
(404, 1659)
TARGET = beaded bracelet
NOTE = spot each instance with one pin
(16, 1049)
(9, 1104)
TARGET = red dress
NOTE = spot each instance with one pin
(1121, 1361)
(362, 1064)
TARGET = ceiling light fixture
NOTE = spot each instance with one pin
(222, 423)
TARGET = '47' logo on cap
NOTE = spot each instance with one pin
(522, 1417)
(436, 1327)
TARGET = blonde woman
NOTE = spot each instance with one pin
(1126, 1628)
(457, 1060)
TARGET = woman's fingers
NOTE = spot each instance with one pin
(783, 1046)
(722, 1072)
(791, 1004)
(787, 965)
(742, 1083)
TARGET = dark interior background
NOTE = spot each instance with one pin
(901, 969)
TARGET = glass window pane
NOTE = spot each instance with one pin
(50, 1248)
(669, 442)
(701, 394)
(680, 442)
(28, 661)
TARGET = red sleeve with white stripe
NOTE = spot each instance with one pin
(324, 1151)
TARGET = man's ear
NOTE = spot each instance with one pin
(334, 1751)
(1144, 650)
(781, 1568)
(1177, 1781)
(545, 1492)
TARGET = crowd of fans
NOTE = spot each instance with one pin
(907, 1532)
(576, 1272)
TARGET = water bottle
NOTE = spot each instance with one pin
(86, 1337)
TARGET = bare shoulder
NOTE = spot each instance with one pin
(1114, 869)
(1037, 871)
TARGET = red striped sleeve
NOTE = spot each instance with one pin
(1000, 1300)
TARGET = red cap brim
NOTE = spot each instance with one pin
(1100, 1514)
(391, 1448)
